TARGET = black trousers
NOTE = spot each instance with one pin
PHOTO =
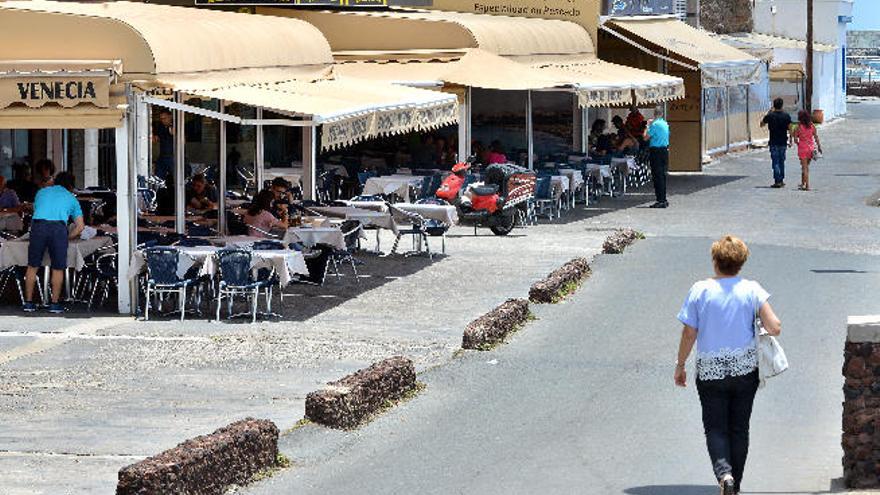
(727, 408)
(659, 158)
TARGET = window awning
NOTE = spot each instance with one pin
(349, 110)
(720, 64)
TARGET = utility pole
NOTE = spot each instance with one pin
(808, 90)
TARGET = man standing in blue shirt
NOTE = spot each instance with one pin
(54, 206)
(657, 135)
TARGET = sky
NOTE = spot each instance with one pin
(866, 15)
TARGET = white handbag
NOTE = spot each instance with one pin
(771, 358)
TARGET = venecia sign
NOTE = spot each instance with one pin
(65, 91)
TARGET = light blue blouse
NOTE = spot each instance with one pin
(723, 313)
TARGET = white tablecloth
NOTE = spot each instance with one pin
(379, 206)
(310, 237)
(599, 172)
(392, 184)
(286, 262)
(446, 214)
(624, 164)
(575, 177)
(366, 217)
(15, 252)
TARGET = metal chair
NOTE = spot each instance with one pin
(237, 279)
(435, 228)
(162, 278)
(416, 229)
(351, 233)
(105, 276)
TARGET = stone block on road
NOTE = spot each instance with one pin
(492, 327)
(619, 240)
(207, 464)
(551, 288)
(348, 402)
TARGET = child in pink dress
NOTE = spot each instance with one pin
(807, 140)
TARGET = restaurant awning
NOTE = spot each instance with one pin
(791, 72)
(675, 41)
(349, 110)
(481, 51)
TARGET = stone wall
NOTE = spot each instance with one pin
(726, 16)
(861, 406)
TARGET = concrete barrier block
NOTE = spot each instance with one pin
(494, 326)
(552, 288)
(207, 464)
(619, 240)
(348, 402)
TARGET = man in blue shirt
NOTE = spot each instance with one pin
(54, 206)
(657, 135)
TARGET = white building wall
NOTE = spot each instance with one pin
(788, 19)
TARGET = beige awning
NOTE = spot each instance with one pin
(601, 83)
(720, 64)
(349, 110)
(398, 29)
(475, 68)
(154, 39)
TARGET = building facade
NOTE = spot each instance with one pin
(788, 19)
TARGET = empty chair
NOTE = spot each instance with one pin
(435, 228)
(162, 278)
(544, 199)
(237, 279)
(413, 225)
(105, 276)
(351, 232)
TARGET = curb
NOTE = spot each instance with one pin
(620, 239)
(492, 327)
(555, 286)
(348, 402)
(207, 464)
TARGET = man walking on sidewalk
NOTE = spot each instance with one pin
(657, 135)
(778, 123)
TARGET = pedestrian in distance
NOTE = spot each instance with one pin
(657, 136)
(54, 206)
(808, 146)
(778, 123)
(719, 316)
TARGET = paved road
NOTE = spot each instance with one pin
(582, 400)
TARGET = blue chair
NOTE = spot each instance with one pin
(363, 176)
(162, 277)
(365, 199)
(237, 279)
(544, 196)
(267, 245)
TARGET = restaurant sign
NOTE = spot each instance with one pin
(66, 91)
(619, 8)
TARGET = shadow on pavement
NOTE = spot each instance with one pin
(301, 302)
(679, 185)
(673, 490)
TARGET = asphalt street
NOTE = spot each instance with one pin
(582, 400)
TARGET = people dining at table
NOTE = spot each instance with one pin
(200, 195)
(600, 143)
(9, 202)
(54, 207)
(282, 197)
(636, 122)
(496, 153)
(259, 217)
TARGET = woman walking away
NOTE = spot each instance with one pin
(719, 316)
(807, 139)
